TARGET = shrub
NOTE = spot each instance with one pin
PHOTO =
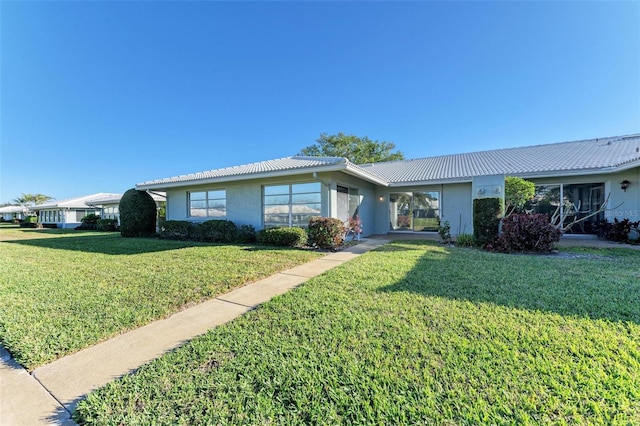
(465, 240)
(89, 222)
(282, 237)
(486, 220)
(517, 192)
(29, 222)
(137, 214)
(175, 229)
(246, 234)
(618, 231)
(326, 232)
(445, 232)
(526, 233)
(218, 231)
(108, 225)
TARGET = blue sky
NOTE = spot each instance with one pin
(98, 96)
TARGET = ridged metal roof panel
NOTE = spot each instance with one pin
(587, 155)
(282, 164)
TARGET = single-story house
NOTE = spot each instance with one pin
(108, 207)
(69, 213)
(413, 195)
(10, 213)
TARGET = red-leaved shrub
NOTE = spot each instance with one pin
(526, 233)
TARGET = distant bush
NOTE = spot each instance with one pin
(326, 232)
(486, 220)
(282, 237)
(107, 225)
(137, 214)
(29, 222)
(89, 222)
(526, 233)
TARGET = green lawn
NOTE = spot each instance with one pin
(61, 290)
(413, 333)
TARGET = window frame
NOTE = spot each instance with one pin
(209, 203)
(292, 200)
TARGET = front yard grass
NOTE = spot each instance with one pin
(61, 290)
(413, 333)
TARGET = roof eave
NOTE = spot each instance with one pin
(234, 178)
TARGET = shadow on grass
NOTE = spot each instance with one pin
(113, 244)
(597, 288)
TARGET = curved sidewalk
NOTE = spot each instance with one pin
(50, 393)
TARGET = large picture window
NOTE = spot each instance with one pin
(578, 201)
(208, 204)
(291, 205)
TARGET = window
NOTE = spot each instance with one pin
(578, 201)
(211, 204)
(291, 205)
(414, 211)
(110, 212)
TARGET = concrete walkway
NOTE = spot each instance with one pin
(50, 393)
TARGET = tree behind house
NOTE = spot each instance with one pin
(358, 150)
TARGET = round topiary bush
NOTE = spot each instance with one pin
(137, 214)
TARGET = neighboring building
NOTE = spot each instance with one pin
(413, 195)
(108, 207)
(10, 213)
(69, 213)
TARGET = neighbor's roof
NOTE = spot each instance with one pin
(115, 199)
(558, 159)
(75, 203)
(565, 158)
(13, 209)
(270, 168)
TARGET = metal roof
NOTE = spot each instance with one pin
(75, 203)
(585, 156)
(576, 157)
(287, 165)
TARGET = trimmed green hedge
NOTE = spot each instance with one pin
(137, 214)
(282, 237)
(214, 231)
(486, 220)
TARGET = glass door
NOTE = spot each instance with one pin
(414, 211)
(426, 211)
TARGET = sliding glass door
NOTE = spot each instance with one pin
(414, 211)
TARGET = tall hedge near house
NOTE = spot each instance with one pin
(486, 220)
(137, 214)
